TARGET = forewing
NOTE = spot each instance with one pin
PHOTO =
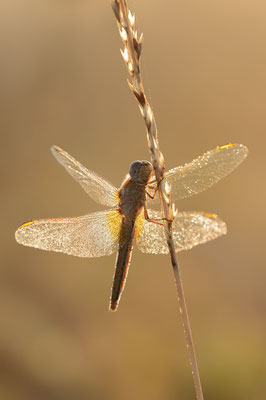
(98, 188)
(189, 229)
(91, 235)
(204, 171)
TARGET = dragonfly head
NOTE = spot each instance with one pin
(140, 171)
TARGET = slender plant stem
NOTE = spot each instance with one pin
(186, 325)
(131, 55)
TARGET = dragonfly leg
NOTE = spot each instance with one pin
(155, 180)
(154, 220)
(151, 196)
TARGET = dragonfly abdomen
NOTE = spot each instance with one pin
(122, 261)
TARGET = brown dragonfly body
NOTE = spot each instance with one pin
(132, 195)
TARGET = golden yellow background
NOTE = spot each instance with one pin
(63, 82)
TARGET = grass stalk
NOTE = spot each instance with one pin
(131, 55)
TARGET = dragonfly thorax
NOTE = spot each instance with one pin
(140, 171)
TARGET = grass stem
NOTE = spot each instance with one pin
(131, 55)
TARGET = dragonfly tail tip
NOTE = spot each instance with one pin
(113, 306)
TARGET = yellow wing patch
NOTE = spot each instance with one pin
(139, 225)
(114, 220)
(26, 224)
(226, 146)
(116, 196)
(212, 216)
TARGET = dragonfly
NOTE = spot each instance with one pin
(103, 233)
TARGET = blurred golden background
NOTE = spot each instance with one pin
(63, 82)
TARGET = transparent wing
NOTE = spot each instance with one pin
(98, 188)
(189, 229)
(91, 235)
(204, 171)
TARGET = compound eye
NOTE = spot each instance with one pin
(134, 169)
